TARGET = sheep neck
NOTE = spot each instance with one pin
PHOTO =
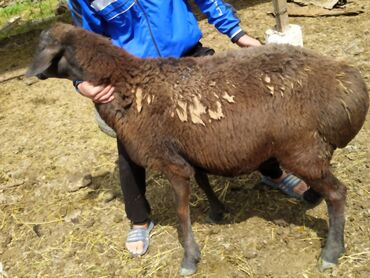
(104, 63)
(121, 72)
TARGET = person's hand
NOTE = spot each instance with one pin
(98, 94)
(247, 41)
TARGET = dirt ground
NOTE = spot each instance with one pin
(61, 210)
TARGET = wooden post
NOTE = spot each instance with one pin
(281, 14)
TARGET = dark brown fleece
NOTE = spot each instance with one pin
(250, 104)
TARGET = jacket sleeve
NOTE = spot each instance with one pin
(84, 16)
(221, 15)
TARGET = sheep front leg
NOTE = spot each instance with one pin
(334, 193)
(179, 177)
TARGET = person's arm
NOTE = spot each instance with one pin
(84, 16)
(222, 16)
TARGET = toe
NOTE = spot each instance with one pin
(135, 247)
(301, 188)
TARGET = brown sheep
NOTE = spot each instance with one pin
(226, 114)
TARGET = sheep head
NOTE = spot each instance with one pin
(54, 57)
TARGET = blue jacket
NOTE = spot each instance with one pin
(134, 25)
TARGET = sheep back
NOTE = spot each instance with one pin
(222, 112)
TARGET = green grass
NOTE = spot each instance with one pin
(28, 12)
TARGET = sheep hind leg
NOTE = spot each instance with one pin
(179, 175)
(334, 193)
(216, 207)
(313, 166)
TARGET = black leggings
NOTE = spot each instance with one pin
(132, 176)
(132, 179)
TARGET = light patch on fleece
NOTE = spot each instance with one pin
(181, 111)
(271, 89)
(196, 110)
(149, 99)
(268, 84)
(139, 99)
(216, 115)
(199, 111)
(229, 98)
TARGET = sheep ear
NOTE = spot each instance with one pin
(43, 60)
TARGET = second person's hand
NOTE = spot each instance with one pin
(247, 41)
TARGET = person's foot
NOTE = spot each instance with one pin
(137, 242)
(288, 184)
(298, 185)
(294, 187)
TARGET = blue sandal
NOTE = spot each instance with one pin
(140, 234)
(287, 185)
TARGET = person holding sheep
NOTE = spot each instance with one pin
(160, 29)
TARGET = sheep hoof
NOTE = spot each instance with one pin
(215, 217)
(187, 271)
(324, 265)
